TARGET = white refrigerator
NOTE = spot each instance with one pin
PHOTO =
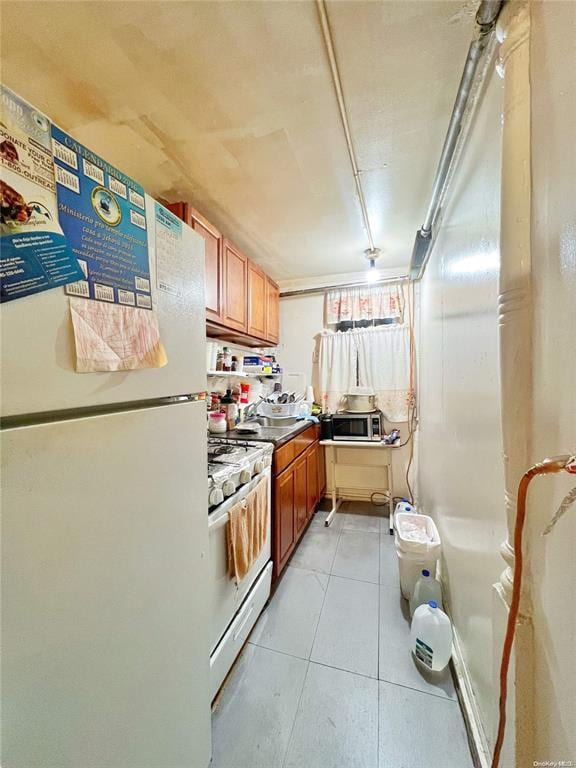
(105, 541)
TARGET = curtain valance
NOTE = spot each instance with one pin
(377, 302)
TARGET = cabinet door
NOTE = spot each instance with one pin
(213, 257)
(235, 288)
(257, 287)
(300, 495)
(272, 312)
(321, 461)
(284, 517)
(312, 479)
(213, 261)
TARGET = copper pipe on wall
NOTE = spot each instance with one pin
(546, 467)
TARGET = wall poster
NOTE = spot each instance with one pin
(103, 217)
(34, 254)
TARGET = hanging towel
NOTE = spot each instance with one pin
(247, 530)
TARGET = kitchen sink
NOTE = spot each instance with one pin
(278, 422)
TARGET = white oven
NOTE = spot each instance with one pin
(234, 607)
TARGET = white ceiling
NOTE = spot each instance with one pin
(230, 105)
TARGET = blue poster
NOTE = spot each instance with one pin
(34, 254)
(102, 213)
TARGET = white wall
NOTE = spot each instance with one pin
(553, 559)
(301, 318)
(460, 478)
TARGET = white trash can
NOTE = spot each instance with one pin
(417, 546)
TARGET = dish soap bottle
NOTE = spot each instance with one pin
(427, 588)
(230, 409)
(431, 637)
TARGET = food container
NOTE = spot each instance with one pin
(216, 423)
(360, 400)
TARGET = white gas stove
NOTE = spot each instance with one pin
(232, 464)
(235, 469)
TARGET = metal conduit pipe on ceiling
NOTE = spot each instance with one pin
(486, 18)
(371, 251)
(337, 286)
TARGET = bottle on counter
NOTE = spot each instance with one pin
(230, 409)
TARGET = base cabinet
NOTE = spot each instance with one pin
(296, 492)
(284, 492)
(300, 495)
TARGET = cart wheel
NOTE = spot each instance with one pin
(391, 533)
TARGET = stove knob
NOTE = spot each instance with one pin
(267, 461)
(229, 487)
(216, 497)
(245, 476)
(258, 466)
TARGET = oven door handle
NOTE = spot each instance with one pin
(220, 522)
(221, 518)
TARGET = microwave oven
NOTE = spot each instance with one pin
(365, 427)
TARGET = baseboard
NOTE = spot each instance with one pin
(480, 749)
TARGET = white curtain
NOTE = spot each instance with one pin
(384, 365)
(370, 357)
(337, 362)
(377, 302)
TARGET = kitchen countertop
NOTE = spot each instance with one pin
(276, 435)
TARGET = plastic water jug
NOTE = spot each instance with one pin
(431, 637)
(404, 506)
(427, 588)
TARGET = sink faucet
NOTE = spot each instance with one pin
(250, 411)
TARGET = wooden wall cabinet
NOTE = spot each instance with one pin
(272, 311)
(242, 301)
(257, 304)
(235, 315)
(295, 495)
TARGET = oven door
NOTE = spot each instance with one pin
(225, 595)
(348, 427)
